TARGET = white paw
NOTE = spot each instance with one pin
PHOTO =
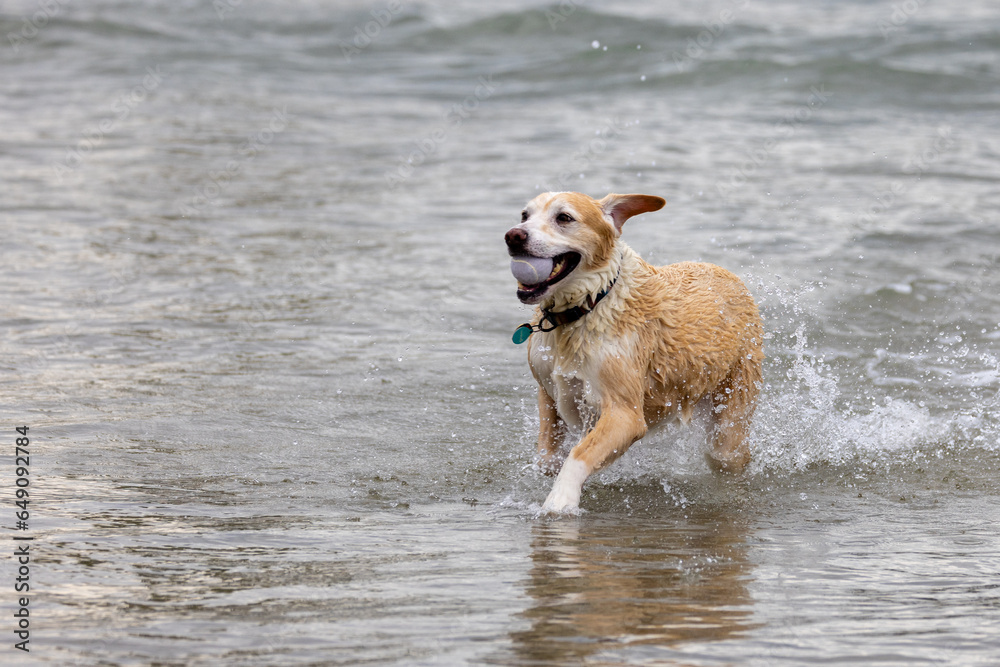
(565, 494)
(561, 500)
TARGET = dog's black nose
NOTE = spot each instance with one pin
(516, 239)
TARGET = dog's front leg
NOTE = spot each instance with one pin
(615, 431)
(551, 431)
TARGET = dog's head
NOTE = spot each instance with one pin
(565, 234)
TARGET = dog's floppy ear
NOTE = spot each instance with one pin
(622, 207)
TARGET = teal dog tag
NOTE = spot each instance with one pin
(521, 334)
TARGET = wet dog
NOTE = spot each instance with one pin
(617, 345)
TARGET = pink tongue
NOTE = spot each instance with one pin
(530, 270)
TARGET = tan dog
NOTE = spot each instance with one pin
(617, 345)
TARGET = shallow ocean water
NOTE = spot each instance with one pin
(258, 318)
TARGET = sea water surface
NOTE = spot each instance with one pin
(257, 316)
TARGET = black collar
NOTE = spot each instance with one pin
(552, 319)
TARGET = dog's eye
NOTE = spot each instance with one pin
(564, 218)
(524, 216)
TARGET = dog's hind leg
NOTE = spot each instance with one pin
(733, 405)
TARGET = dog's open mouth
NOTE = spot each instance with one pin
(562, 266)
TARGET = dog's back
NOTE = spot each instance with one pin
(705, 339)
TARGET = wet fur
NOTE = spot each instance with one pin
(663, 339)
